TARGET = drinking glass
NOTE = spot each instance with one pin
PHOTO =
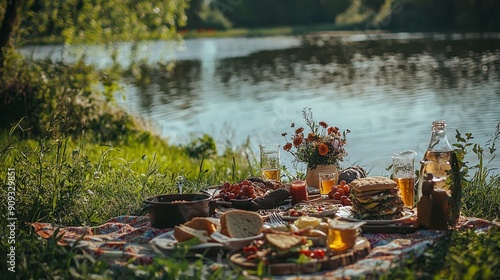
(298, 190)
(270, 161)
(342, 235)
(403, 173)
(326, 182)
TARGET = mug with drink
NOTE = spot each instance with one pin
(326, 182)
(270, 161)
(403, 166)
(342, 235)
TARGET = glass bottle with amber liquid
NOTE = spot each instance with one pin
(437, 158)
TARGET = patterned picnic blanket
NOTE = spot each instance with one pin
(127, 238)
(117, 241)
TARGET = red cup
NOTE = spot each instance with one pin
(298, 191)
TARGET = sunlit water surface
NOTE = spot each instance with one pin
(386, 89)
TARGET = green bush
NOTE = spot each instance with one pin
(54, 97)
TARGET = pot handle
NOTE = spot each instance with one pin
(212, 204)
(143, 209)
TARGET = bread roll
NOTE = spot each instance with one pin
(201, 223)
(197, 227)
(240, 223)
(373, 183)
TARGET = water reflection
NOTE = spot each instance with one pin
(406, 65)
(387, 91)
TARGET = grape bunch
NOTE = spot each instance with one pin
(341, 192)
(242, 190)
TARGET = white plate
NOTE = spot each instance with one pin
(346, 214)
(167, 241)
(308, 209)
(234, 243)
(328, 213)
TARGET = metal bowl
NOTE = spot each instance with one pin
(169, 210)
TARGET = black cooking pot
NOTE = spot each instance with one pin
(169, 210)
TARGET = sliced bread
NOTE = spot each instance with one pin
(200, 227)
(183, 233)
(241, 223)
(285, 241)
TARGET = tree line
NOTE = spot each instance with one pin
(411, 15)
(96, 20)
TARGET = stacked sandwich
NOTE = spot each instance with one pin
(376, 198)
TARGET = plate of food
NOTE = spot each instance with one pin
(195, 234)
(376, 201)
(250, 194)
(290, 247)
(312, 209)
(346, 213)
(235, 229)
(291, 254)
(167, 241)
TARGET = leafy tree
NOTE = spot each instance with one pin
(203, 15)
(455, 15)
(45, 94)
(279, 12)
(89, 20)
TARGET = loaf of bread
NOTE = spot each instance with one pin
(240, 223)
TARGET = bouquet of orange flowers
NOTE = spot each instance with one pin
(323, 145)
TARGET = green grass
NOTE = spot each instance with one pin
(56, 176)
(76, 182)
(460, 255)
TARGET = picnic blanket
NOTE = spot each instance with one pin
(119, 240)
(126, 238)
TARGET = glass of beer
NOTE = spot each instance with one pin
(403, 173)
(326, 182)
(342, 235)
(270, 161)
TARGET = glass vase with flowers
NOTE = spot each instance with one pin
(321, 148)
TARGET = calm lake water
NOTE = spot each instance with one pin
(386, 88)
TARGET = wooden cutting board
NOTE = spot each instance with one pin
(360, 250)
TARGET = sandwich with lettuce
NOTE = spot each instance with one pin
(376, 198)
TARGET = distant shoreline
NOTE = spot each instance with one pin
(319, 29)
(292, 30)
